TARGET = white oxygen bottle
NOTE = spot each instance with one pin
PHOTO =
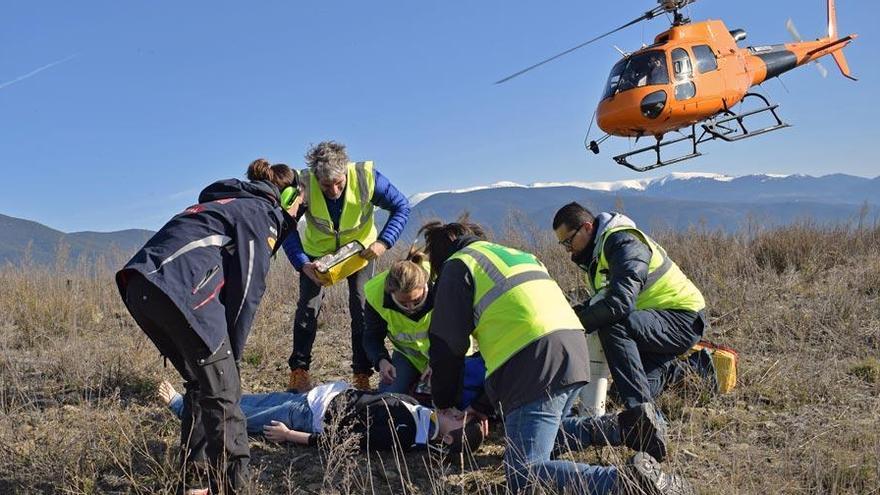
(593, 394)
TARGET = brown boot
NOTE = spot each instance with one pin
(361, 381)
(299, 381)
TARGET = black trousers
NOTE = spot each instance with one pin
(305, 320)
(213, 428)
(642, 350)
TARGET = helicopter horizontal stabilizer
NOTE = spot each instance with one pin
(840, 59)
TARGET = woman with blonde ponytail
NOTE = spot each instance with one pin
(400, 301)
(194, 289)
(399, 307)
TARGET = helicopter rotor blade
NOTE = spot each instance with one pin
(792, 29)
(644, 17)
(789, 25)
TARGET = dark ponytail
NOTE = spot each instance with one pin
(279, 174)
(440, 238)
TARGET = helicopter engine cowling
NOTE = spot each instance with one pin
(738, 34)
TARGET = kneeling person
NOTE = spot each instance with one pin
(536, 359)
(645, 310)
(399, 306)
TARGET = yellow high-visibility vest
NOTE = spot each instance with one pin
(666, 287)
(515, 301)
(356, 222)
(408, 336)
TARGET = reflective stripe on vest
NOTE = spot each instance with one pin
(515, 301)
(666, 286)
(355, 221)
(408, 336)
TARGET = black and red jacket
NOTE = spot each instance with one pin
(211, 260)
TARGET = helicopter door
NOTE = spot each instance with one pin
(711, 80)
(683, 72)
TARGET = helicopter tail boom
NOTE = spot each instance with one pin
(771, 61)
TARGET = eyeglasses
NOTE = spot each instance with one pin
(566, 243)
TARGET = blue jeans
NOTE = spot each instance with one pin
(531, 431)
(579, 432)
(407, 375)
(260, 409)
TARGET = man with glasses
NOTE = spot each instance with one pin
(645, 310)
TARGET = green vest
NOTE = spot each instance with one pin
(666, 287)
(515, 301)
(409, 337)
(356, 221)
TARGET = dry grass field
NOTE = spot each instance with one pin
(801, 305)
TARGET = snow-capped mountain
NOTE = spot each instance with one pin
(607, 186)
(677, 200)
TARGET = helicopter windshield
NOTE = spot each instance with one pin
(641, 69)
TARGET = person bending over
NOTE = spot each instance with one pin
(339, 200)
(194, 289)
(536, 359)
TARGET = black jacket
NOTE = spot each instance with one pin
(628, 259)
(381, 419)
(211, 260)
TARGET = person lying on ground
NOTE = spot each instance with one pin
(382, 420)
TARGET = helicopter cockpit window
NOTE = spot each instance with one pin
(706, 61)
(642, 69)
(614, 78)
(681, 65)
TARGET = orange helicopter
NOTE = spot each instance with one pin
(690, 79)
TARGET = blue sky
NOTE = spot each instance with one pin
(147, 102)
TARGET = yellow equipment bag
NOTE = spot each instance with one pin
(724, 360)
(333, 267)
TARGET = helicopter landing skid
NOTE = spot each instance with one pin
(658, 146)
(728, 126)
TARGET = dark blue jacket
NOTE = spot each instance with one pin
(211, 260)
(385, 196)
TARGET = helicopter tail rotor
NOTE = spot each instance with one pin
(792, 29)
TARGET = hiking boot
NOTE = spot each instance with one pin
(642, 475)
(361, 381)
(299, 381)
(643, 430)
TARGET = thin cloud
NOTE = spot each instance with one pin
(188, 193)
(37, 71)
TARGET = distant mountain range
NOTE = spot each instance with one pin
(675, 201)
(20, 239)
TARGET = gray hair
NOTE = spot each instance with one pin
(328, 160)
